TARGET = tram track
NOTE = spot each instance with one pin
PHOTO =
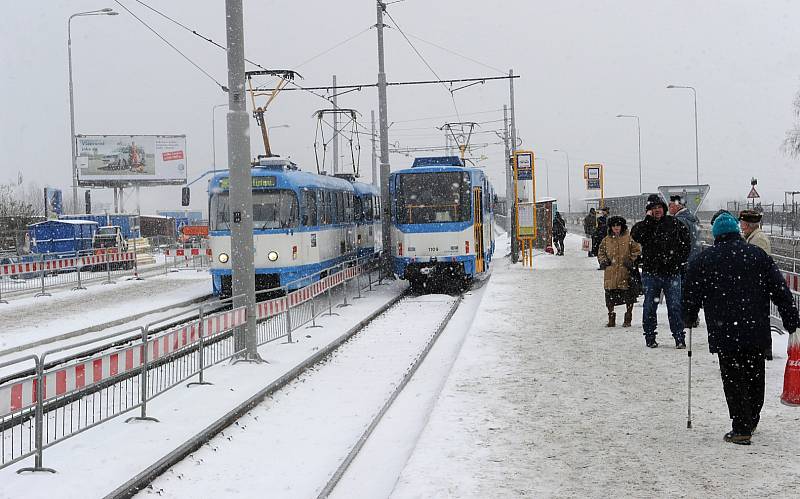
(327, 358)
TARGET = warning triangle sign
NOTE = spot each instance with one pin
(753, 193)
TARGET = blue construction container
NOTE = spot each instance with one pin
(128, 224)
(61, 237)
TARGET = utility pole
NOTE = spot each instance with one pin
(375, 179)
(514, 242)
(509, 171)
(335, 130)
(241, 191)
(384, 130)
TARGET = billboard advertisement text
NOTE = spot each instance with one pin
(117, 160)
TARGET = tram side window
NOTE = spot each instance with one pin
(328, 210)
(349, 207)
(368, 208)
(358, 209)
(377, 205)
(310, 207)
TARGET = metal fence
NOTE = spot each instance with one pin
(44, 401)
(43, 272)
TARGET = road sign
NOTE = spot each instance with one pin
(524, 165)
(753, 193)
(691, 195)
(594, 177)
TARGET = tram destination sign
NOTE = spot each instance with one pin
(124, 160)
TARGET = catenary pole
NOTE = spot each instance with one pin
(383, 119)
(375, 179)
(509, 171)
(514, 242)
(241, 194)
(335, 130)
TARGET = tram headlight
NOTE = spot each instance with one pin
(272, 256)
(223, 258)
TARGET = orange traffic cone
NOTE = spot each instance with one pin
(791, 377)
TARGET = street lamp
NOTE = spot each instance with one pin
(214, 136)
(569, 195)
(100, 12)
(278, 126)
(639, 135)
(696, 148)
(546, 175)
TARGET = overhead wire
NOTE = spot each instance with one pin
(449, 90)
(453, 52)
(176, 49)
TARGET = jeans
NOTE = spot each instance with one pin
(653, 284)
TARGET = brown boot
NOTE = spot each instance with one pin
(628, 318)
(612, 319)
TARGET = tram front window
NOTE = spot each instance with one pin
(276, 209)
(433, 198)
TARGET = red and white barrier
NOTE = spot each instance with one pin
(792, 280)
(187, 252)
(64, 263)
(60, 382)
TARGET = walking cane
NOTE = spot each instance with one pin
(689, 352)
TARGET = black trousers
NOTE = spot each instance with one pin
(743, 382)
(559, 244)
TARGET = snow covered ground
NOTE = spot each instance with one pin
(27, 320)
(94, 463)
(526, 394)
(544, 401)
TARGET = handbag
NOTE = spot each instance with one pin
(635, 280)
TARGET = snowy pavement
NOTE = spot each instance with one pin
(544, 401)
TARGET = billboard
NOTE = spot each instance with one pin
(524, 165)
(53, 206)
(121, 160)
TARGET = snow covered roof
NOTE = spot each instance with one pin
(71, 222)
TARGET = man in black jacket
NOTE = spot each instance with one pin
(734, 282)
(665, 248)
(600, 231)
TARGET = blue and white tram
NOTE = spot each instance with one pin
(368, 220)
(302, 224)
(442, 222)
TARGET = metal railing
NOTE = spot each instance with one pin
(41, 273)
(63, 399)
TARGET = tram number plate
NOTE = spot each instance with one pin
(313, 240)
(432, 250)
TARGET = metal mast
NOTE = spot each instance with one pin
(335, 130)
(514, 242)
(241, 194)
(384, 131)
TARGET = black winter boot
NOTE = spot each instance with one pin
(650, 341)
(612, 319)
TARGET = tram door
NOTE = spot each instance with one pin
(477, 213)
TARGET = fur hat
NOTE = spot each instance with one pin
(751, 216)
(724, 224)
(676, 198)
(654, 200)
(617, 220)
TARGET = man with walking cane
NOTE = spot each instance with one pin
(734, 282)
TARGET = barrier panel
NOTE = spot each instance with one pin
(47, 271)
(53, 401)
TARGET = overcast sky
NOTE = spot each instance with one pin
(581, 63)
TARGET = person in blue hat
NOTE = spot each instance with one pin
(733, 282)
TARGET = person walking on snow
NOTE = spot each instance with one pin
(589, 224)
(665, 247)
(600, 231)
(734, 282)
(677, 208)
(616, 255)
(559, 233)
(750, 224)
